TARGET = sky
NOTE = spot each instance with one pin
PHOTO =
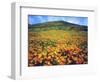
(35, 19)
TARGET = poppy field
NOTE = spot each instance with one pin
(57, 44)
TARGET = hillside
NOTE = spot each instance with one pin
(58, 25)
(57, 43)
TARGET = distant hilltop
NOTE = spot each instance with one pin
(58, 24)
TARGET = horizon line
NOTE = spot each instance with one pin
(56, 21)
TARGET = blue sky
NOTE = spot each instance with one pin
(35, 19)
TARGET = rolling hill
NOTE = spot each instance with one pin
(58, 25)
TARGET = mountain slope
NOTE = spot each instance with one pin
(58, 25)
